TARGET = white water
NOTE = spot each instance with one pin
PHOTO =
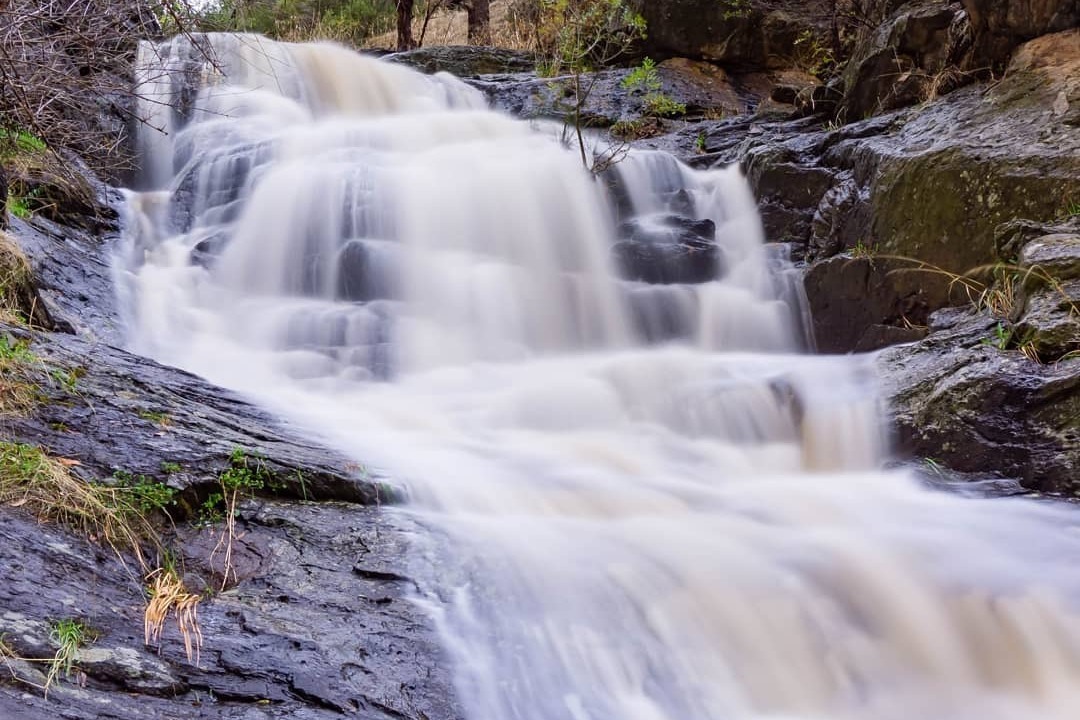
(688, 530)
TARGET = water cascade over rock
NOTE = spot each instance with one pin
(644, 503)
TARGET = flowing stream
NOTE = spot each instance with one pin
(645, 503)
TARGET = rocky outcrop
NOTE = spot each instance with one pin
(669, 249)
(756, 34)
(466, 61)
(315, 622)
(859, 304)
(1001, 25)
(929, 183)
(905, 53)
(319, 626)
(704, 90)
(960, 399)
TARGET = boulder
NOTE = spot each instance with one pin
(954, 171)
(466, 60)
(961, 401)
(1001, 25)
(859, 304)
(1046, 319)
(702, 87)
(744, 33)
(668, 249)
(905, 55)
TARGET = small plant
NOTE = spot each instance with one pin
(69, 636)
(210, 511)
(644, 78)
(67, 379)
(244, 476)
(814, 57)
(145, 494)
(170, 468)
(1000, 338)
(863, 250)
(663, 106)
(1071, 209)
(12, 140)
(16, 351)
(700, 143)
(17, 206)
(158, 417)
(735, 8)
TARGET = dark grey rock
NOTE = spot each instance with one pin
(320, 624)
(466, 60)
(965, 403)
(669, 250)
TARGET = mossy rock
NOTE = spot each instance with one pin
(980, 157)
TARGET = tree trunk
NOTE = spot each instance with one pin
(404, 25)
(479, 22)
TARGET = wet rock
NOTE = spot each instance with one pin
(1046, 319)
(1013, 236)
(208, 250)
(965, 403)
(668, 249)
(1055, 256)
(1049, 321)
(214, 182)
(126, 413)
(859, 304)
(319, 626)
(702, 87)
(72, 274)
(788, 191)
(978, 158)
(466, 60)
(530, 97)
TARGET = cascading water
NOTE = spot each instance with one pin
(648, 507)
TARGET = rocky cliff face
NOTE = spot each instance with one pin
(314, 618)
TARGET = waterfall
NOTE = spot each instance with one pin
(644, 503)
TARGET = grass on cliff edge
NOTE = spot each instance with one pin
(17, 295)
(46, 487)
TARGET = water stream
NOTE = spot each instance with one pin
(648, 504)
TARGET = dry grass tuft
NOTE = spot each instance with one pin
(46, 487)
(18, 298)
(19, 375)
(168, 595)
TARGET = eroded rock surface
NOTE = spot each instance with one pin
(319, 626)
